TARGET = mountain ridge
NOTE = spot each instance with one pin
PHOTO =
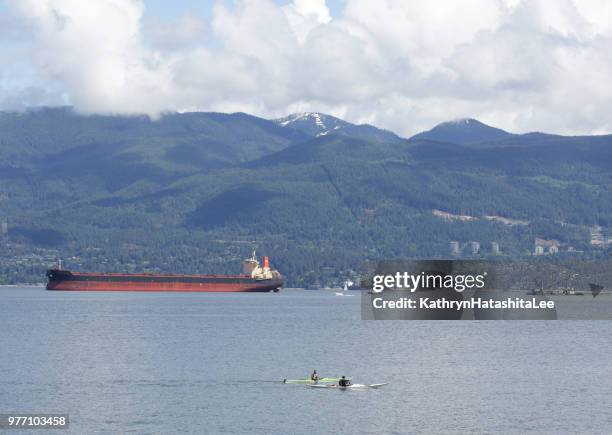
(195, 192)
(319, 124)
(464, 131)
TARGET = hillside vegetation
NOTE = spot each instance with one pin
(195, 192)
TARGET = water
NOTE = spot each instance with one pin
(212, 363)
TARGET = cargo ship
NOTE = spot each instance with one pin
(255, 278)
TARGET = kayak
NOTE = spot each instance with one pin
(310, 381)
(350, 386)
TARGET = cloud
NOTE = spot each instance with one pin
(305, 15)
(96, 52)
(401, 64)
(188, 30)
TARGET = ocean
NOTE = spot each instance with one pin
(214, 363)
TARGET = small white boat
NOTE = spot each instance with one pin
(350, 386)
(345, 289)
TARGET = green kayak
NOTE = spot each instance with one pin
(310, 381)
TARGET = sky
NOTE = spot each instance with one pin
(164, 9)
(404, 65)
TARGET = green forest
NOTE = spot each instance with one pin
(194, 193)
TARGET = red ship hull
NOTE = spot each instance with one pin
(76, 281)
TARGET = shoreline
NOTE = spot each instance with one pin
(23, 285)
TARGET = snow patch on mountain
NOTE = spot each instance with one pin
(459, 121)
(317, 120)
(305, 116)
(318, 124)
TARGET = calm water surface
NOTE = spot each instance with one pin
(212, 363)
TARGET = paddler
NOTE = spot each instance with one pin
(314, 376)
(343, 382)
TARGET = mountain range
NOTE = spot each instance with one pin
(194, 192)
(464, 132)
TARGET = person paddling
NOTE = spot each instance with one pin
(343, 382)
(314, 376)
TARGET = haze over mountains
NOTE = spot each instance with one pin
(194, 192)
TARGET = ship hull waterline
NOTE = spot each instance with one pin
(63, 281)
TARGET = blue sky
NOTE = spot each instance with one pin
(165, 9)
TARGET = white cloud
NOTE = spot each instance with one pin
(188, 30)
(305, 15)
(401, 64)
(95, 51)
(318, 8)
